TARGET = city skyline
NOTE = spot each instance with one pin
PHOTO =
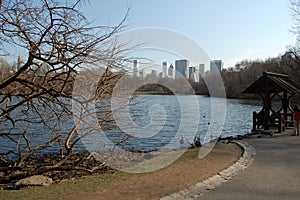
(232, 30)
(182, 68)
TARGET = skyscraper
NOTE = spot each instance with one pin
(142, 73)
(160, 75)
(194, 74)
(154, 73)
(181, 67)
(164, 69)
(135, 68)
(201, 70)
(171, 72)
(216, 65)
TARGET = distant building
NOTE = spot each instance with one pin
(154, 73)
(160, 75)
(197, 74)
(164, 69)
(181, 68)
(135, 68)
(142, 73)
(149, 76)
(216, 65)
(201, 70)
(171, 72)
(206, 73)
(194, 74)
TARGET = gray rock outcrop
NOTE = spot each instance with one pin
(37, 180)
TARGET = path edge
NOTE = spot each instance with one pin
(223, 176)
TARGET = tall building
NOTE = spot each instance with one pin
(194, 74)
(216, 65)
(181, 67)
(142, 73)
(154, 73)
(201, 70)
(160, 75)
(135, 68)
(164, 69)
(197, 74)
(171, 72)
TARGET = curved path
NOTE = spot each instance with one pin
(274, 173)
(198, 189)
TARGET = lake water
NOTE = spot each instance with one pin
(159, 122)
(166, 122)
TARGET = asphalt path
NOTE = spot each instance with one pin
(274, 173)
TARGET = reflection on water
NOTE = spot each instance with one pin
(156, 122)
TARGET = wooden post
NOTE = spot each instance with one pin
(254, 121)
(267, 106)
(285, 107)
(279, 124)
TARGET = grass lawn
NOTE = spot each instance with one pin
(88, 183)
(187, 170)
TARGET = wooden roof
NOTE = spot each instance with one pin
(273, 83)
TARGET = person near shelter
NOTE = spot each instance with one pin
(296, 116)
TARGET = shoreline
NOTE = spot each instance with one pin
(187, 170)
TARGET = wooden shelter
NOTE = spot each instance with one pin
(268, 86)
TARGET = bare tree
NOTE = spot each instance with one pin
(59, 42)
(295, 12)
(5, 69)
(291, 58)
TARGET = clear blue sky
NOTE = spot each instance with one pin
(231, 30)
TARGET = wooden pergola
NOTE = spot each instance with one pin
(268, 86)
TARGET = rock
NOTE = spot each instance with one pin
(225, 141)
(198, 144)
(37, 180)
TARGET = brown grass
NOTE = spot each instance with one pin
(186, 171)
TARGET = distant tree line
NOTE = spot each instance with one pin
(237, 78)
(244, 73)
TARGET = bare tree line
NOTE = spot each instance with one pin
(246, 72)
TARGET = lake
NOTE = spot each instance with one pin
(159, 122)
(163, 122)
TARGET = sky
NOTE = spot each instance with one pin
(231, 30)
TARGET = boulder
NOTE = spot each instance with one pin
(37, 180)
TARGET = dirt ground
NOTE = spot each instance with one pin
(166, 181)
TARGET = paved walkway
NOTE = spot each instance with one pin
(274, 173)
